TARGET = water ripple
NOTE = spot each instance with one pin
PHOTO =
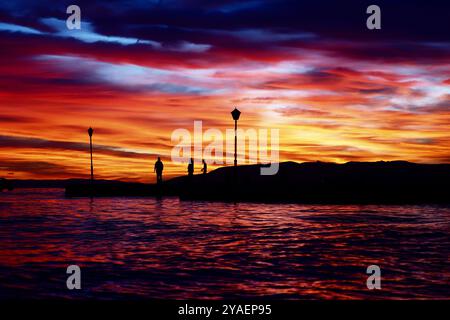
(146, 248)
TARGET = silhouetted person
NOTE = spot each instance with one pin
(205, 167)
(159, 167)
(191, 168)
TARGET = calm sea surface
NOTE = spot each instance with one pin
(132, 248)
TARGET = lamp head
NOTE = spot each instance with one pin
(235, 114)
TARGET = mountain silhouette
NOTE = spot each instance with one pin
(309, 182)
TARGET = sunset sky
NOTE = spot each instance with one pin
(138, 70)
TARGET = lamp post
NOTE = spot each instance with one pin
(235, 114)
(90, 132)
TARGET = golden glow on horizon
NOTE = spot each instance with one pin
(344, 115)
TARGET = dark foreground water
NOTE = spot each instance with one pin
(131, 248)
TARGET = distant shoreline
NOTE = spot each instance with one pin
(396, 182)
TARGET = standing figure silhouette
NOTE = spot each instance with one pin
(191, 168)
(205, 167)
(159, 167)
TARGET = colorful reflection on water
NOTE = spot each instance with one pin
(148, 248)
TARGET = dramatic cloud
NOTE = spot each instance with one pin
(138, 70)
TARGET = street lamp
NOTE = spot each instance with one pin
(235, 114)
(90, 132)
